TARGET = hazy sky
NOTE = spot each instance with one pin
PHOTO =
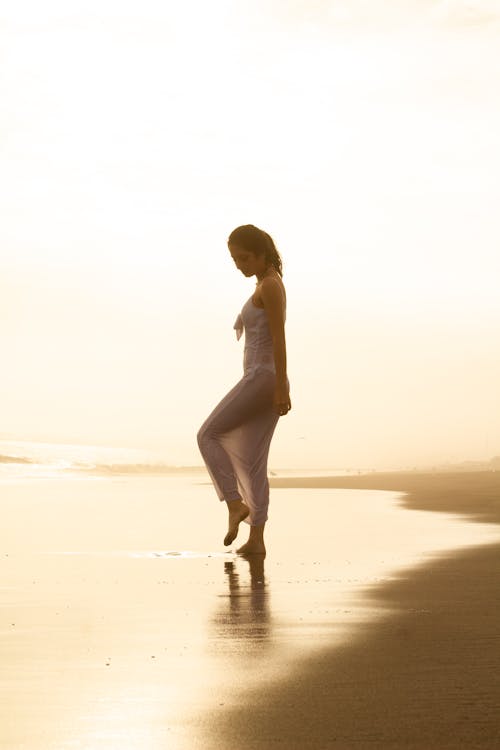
(362, 135)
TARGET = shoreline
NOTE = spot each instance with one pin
(426, 676)
(475, 494)
(352, 637)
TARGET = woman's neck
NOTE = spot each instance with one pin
(269, 271)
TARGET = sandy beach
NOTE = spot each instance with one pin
(428, 676)
(372, 623)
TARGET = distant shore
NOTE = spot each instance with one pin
(427, 675)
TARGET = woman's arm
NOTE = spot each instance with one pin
(272, 299)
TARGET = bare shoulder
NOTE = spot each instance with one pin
(272, 293)
(272, 287)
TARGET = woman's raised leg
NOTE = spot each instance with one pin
(234, 442)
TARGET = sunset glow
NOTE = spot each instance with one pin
(135, 137)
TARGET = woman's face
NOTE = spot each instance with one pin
(247, 262)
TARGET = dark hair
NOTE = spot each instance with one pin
(258, 242)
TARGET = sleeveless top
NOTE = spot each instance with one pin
(258, 352)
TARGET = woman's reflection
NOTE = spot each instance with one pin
(245, 619)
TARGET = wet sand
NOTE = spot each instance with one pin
(427, 676)
(125, 623)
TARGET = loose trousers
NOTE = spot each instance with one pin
(234, 442)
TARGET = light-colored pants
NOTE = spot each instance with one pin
(234, 442)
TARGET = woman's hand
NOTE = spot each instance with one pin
(282, 403)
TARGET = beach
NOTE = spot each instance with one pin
(428, 676)
(372, 622)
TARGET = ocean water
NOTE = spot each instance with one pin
(31, 460)
(124, 622)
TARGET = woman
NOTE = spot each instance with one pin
(234, 441)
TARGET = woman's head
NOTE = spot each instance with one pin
(247, 241)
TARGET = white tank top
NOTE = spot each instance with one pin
(258, 352)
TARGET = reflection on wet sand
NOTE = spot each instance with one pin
(244, 613)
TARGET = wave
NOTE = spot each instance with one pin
(18, 466)
(25, 459)
(14, 460)
(127, 469)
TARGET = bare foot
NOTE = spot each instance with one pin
(252, 548)
(238, 511)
